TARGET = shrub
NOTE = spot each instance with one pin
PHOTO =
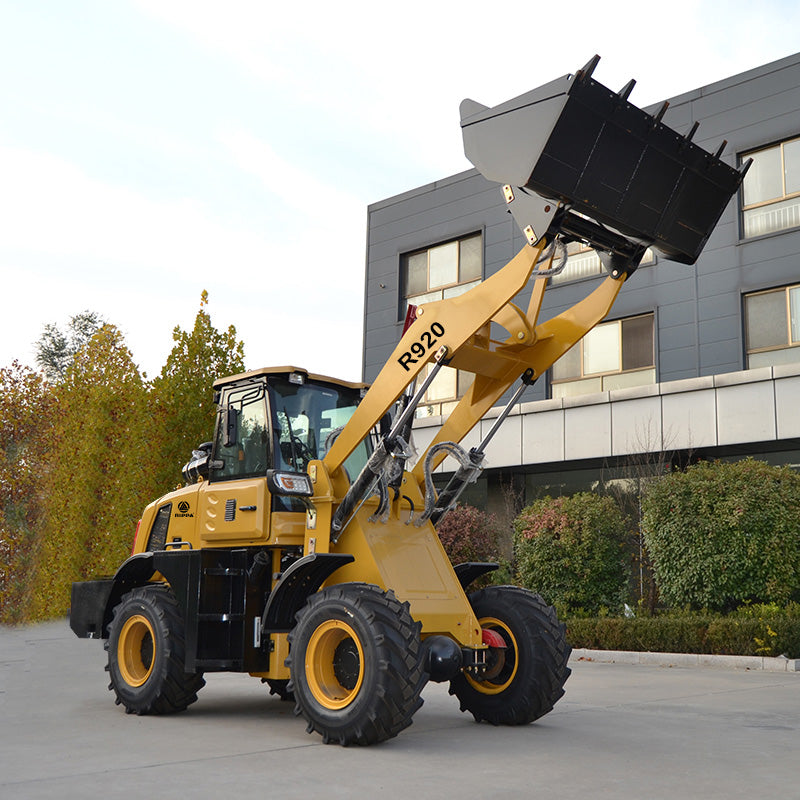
(762, 631)
(722, 534)
(469, 534)
(570, 550)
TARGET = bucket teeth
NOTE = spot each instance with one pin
(623, 177)
(625, 92)
(589, 67)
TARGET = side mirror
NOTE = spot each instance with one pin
(230, 422)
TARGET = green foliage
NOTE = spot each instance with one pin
(182, 396)
(571, 551)
(82, 455)
(469, 534)
(96, 481)
(55, 349)
(26, 418)
(761, 631)
(720, 534)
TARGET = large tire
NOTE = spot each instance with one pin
(525, 680)
(355, 664)
(146, 653)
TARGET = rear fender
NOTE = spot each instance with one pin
(469, 571)
(93, 602)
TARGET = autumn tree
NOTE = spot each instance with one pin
(182, 396)
(26, 423)
(114, 443)
(96, 483)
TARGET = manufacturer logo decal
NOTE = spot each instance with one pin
(183, 510)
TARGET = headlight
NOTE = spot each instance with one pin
(297, 483)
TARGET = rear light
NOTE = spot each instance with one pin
(135, 537)
(411, 315)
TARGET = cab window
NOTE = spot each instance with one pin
(306, 418)
(242, 441)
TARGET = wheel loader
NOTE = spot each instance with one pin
(302, 548)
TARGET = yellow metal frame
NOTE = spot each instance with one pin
(391, 553)
(465, 322)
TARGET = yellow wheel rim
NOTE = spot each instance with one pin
(505, 671)
(334, 664)
(136, 650)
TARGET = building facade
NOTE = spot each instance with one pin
(697, 361)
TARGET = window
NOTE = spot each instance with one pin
(613, 355)
(772, 327)
(583, 262)
(437, 273)
(306, 418)
(443, 394)
(442, 271)
(771, 189)
(241, 439)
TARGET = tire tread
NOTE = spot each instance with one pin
(401, 676)
(176, 689)
(541, 639)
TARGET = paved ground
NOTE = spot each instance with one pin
(621, 731)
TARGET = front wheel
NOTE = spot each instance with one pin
(146, 653)
(524, 680)
(355, 664)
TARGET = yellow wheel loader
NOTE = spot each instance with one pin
(303, 552)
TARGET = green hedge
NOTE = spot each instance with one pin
(721, 534)
(691, 633)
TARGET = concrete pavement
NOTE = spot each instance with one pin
(621, 731)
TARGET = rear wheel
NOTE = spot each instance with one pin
(524, 680)
(355, 664)
(146, 653)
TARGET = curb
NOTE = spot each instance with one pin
(765, 663)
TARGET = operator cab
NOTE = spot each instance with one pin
(280, 419)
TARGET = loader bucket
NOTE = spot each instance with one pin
(577, 142)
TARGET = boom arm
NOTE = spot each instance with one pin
(580, 163)
(451, 324)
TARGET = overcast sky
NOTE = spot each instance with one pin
(151, 149)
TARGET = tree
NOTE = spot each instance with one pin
(97, 480)
(26, 422)
(182, 395)
(56, 349)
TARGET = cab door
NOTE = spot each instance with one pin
(234, 503)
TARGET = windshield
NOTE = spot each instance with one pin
(306, 418)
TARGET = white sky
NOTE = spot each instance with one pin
(150, 149)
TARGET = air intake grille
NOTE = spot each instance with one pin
(230, 510)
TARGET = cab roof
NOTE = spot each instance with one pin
(287, 370)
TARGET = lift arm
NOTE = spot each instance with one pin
(578, 162)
